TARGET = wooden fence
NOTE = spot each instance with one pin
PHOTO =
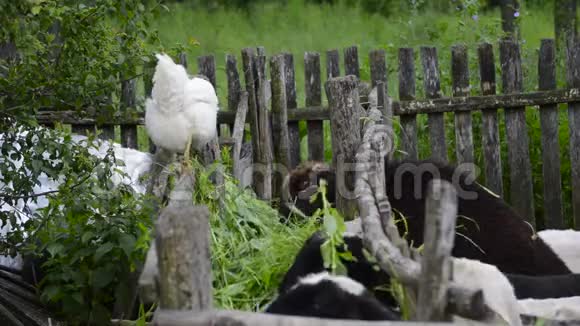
(281, 146)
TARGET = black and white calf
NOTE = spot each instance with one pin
(489, 230)
(329, 296)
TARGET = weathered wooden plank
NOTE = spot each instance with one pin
(509, 19)
(234, 85)
(279, 124)
(407, 93)
(463, 124)
(521, 187)
(291, 105)
(263, 167)
(345, 126)
(183, 251)
(148, 72)
(351, 65)
(432, 85)
(240, 318)
(128, 99)
(573, 79)
(314, 98)
(378, 64)
(384, 105)
(550, 141)
(332, 64)
(206, 67)
(490, 124)
(436, 265)
(238, 135)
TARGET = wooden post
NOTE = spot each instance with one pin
(183, 251)
(510, 11)
(128, 98)
(345, 126)
(351, 65)
(279, 124)
(385, 106)
(436, 121)
(332, 64)
(182, 59)
(436, 266)
(463, 125)
(313, 98)
(407, 93)
(521, 187)
(573, 77)
(264, 167)
(292, 104)
(550, 140)
(490, 125)
(148, 72)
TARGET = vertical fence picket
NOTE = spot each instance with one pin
(148, 72)
(265, 136)
(292, 104)
(128, 98)
(234, 86)
(332, 64)
(521, 187)
(313, 98)
(490, 125)
(432, 85)
(279, 124)
(550, 140)
(378, 68)
(351, 65)
(407, 93)
(182, 59)
(345, 115)
(463, 124)
(206, 67)
(573, 76)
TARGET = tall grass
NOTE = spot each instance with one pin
(297, 27)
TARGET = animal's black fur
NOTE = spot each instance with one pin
(497, 234)
(327, 299)
(544, 287)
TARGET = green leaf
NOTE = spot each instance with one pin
(127, 243)
(55, 249)
(330, 225)
(102, 277)
(102, 250)
(35, 10)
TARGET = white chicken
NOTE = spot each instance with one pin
(181, 111)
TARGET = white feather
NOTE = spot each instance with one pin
(180, 107)
(566, 244)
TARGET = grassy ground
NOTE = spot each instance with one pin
(297, 28)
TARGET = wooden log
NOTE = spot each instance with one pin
(573, 79)
(490, 124)
(351, 65)
(345, 126)
(291, 105)
(238, 135)
(407, 93)
(463, 124)
(206, 67)
(436, 265)
(521, 187)
(314, 98)
(332, 64)
(436, 121)
(378, 64)
(263, 168)
(183, 251)
(128, 99)
(243, 318)
(279, 124)
(550, 140)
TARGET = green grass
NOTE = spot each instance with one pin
(298, 27)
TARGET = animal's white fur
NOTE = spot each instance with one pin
(497, 290)
(557, 309)
(345, 283)
(180, 107)
(566, 244)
